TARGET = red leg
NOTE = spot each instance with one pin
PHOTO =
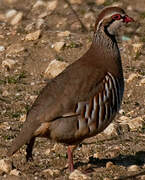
(70, 159)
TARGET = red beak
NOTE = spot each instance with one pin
(127, 19)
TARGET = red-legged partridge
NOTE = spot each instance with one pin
(83, 100)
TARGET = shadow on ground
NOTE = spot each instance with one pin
(121, 160)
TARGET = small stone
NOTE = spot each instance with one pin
(132, 77)
(32, 83)
(106, 178)
(142, 177)
(8, 64)
(39, 23)
(100, 2)
(10, 13)
(133, 168)
(121, 111)
(55, 68)
(5, 165)
(14, 49)
(2, 37)
(58, 46)
(51, 172)
(33, 36)
(78, 175)
(64, 34)
(51, 5)
(17, 18)
(29, 27)
(136, 123)
(76, 1)
(47, 152)
(33, 97)
(2, 48)
(137, 47)
(43, 15)
(5, 126)
(23, 117)
(112, 130)
(142, 82)
(15, 172)
(98, 155)
(123, 119)
(10, 1)
(5, 93)
(39, 3)
(109, 164)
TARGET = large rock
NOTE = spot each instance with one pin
(55, 68)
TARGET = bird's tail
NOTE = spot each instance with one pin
(23, 137)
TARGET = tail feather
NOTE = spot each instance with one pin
(23, 137)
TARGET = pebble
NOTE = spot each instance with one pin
(23, 117)
(5, 165)
(100, 2)
(29, 27)
(39, 3)
(106, 178)
(121, 111)
(39, 23)
(2, 48)
(5, 126)
(142, 177)
(54, 68)
(5, 93)
(76, 1)
(123, 119)
(47, 152)
(51, 5)
(2, 37)
(33, 97)
(14, 49)
(112, 130)
(17, 18)
(33, 36)
(58, 46)
(136, 123)
(142, 82)
(10, 13)
(64, 34)
(109, 164)
(51, 172)
(15, 172)
(78, 175)
(10, 1)
(133, 168)
(8, 64)
(137, 47)
(125, 38)
(131, 77)
(98, 155)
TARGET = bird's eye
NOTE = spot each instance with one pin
(116, 17)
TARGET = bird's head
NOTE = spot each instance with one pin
(110, 19)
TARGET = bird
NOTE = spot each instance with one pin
(82, 100)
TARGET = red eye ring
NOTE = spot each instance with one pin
(116, 17)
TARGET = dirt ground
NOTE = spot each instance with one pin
(100, 157)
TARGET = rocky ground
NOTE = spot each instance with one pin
(38, 39)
